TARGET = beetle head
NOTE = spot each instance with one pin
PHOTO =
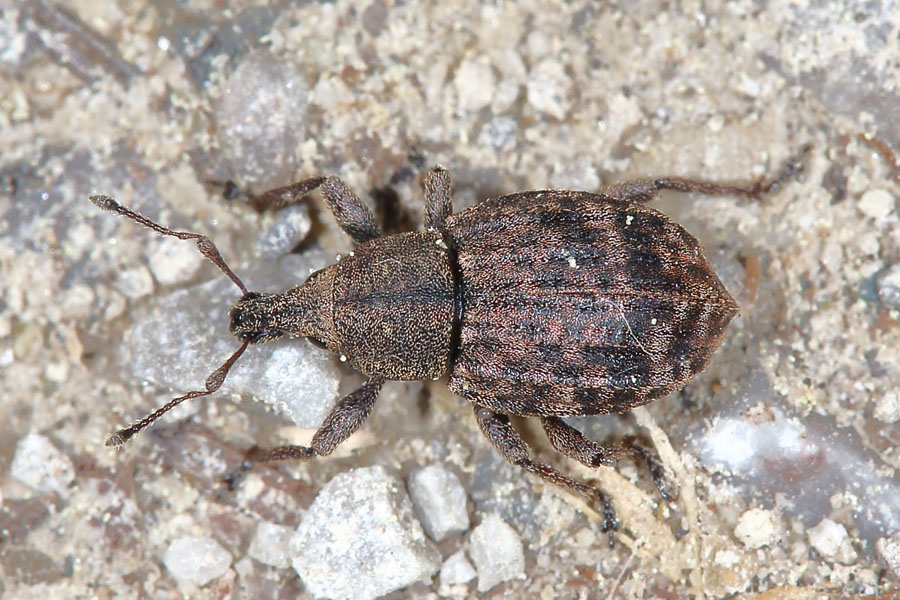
(257, 318)
(254, 318)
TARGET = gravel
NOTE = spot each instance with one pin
(360, 539)
(196, 560)
(440, 501)
(496, 550)
(40, 465)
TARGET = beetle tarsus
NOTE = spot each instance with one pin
(667, 488)
(610, 523)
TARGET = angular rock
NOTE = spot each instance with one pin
(496, 549)
(270, 544)
(260, 118)
(40, 465)
(439, 500)
(196, 560)
(359, 540)
(457, 570)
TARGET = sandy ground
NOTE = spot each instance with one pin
(160, 103)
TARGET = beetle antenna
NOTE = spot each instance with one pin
(213, 382)
(204, 245)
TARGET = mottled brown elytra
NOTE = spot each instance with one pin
(537, 304)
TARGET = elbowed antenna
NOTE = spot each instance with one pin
(215, 379)
(207, 249)
(204, 245)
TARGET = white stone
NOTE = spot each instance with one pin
(756, 528)
(548, 88)
(830, 539)
(457, 570)
(291, 226)
(889, 287)
(196, 560)
(496, 549)
(877, 203)
(888, 549)
(727, 558)
(440, 501)
(174, 261)
(576, 174)
(41, 466)
(77, 302)
(887, 408)
(270, 544)
(260, 118)
(135, 283)
(475, 84)
(359, 540)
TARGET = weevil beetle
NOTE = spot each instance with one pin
(536, 304)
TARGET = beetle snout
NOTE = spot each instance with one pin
(236, 326)
(252, 319)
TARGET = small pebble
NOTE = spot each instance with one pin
(756, 528)
(173, 261)
(887, 408)
(889, 287)
(291, 226)
(261, 118)
(496, 549)
(196, 560)
(499, 133)
(457, 570)
(270, 544)
(716, 123)
(577, 174)
(727, 558)
(135, 283)
(888, 549)
(359, 540)
(876, 204)
(41, 466)
(475, 84)
(548, 88)
(830, 539)
(440, 501)
(76, 303)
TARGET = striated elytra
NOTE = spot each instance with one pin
(536, 304)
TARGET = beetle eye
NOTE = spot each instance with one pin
(317, 343)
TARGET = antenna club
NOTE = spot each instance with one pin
(118, 438)
(105, 202)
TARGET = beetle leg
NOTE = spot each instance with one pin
(644, 190)
(437, 197)
(284, 196)
(347, 415)
(667, 489)
(497, 428)
(570, 442)
(351, 213)
(353, 216)
(573, 444)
